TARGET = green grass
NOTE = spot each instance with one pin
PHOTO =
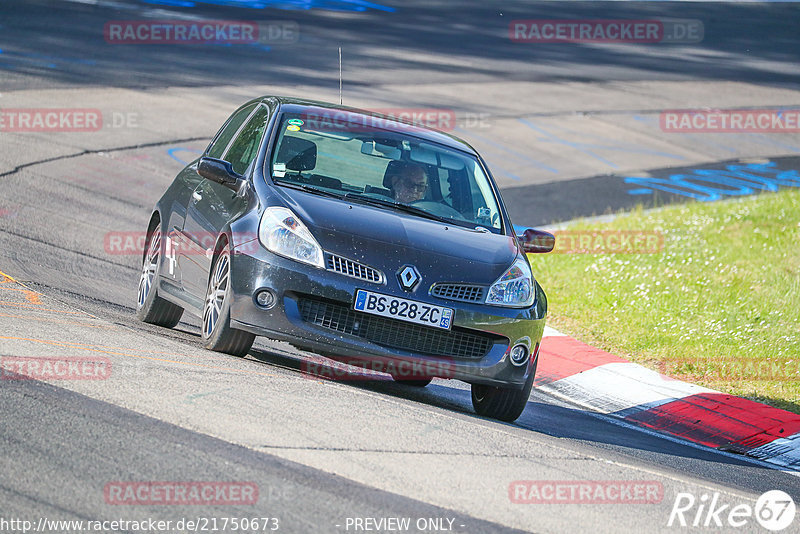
(718, 306)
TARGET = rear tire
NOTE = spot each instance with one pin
(505, 404)
(150, 308)
(217, 332)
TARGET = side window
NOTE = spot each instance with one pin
(245, 147)
(225, 135)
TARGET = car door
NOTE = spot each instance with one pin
(180, 251)
(213, 205)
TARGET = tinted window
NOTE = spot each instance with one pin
(355, 154)
(224, 137)
(245, 148)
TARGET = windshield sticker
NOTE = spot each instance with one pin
(279, 170)
(293, 128)
(295, 122)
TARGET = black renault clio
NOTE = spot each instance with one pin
(355, 236)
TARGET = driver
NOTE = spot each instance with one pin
(409, 182)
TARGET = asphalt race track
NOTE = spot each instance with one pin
(561, 125)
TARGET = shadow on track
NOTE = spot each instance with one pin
(548, 416)
(741, 42)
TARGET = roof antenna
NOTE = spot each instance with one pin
(340, 75)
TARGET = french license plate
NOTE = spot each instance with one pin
(403, 309)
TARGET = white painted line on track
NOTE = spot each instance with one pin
(615, 387)
(552, 332)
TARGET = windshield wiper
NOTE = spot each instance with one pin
(310, 189)
(396, 205)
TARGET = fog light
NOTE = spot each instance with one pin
(519, 355)
(265, 298)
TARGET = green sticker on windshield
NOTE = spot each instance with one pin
(295, 122)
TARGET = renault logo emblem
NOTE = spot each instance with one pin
(409, 277)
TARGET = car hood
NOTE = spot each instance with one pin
(388, 239)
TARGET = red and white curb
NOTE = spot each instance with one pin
(611, 385)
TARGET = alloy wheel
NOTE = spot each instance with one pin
(217, 289)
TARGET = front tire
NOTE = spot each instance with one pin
(505, 404)
(150, 308)
(217, 332)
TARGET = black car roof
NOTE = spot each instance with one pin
(300, 105)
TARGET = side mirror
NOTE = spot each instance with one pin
(536, 241)
(218, 171)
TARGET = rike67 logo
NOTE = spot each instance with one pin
(774, 510)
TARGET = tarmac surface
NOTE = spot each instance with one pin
(568, 129)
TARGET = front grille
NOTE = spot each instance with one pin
(353, 269)
(460, 292)
(396, 334)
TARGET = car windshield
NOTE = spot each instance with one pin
(391, 169)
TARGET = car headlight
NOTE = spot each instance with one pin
(515, 287)
(283, 233)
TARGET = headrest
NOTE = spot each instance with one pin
(298, 154)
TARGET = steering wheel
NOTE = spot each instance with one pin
(438, 208)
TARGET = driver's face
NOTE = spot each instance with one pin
(411, 186)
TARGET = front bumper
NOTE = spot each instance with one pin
(313, 311)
